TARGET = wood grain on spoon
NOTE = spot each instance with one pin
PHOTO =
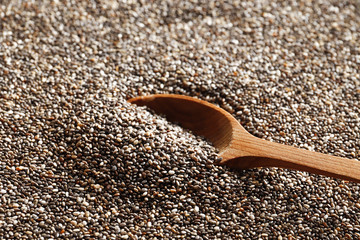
(238, 148)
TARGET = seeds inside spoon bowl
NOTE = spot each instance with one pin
(238, 148)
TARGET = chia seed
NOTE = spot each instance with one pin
(79, 162)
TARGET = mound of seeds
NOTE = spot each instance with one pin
(78, 162)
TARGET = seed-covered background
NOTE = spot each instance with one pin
(77, 161)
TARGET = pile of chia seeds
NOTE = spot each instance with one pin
(79, 162)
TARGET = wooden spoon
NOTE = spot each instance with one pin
(238, 148)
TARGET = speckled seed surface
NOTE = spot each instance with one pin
(78, 162)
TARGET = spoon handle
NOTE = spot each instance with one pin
(255, 152)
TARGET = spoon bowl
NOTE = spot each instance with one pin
(237, 147)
